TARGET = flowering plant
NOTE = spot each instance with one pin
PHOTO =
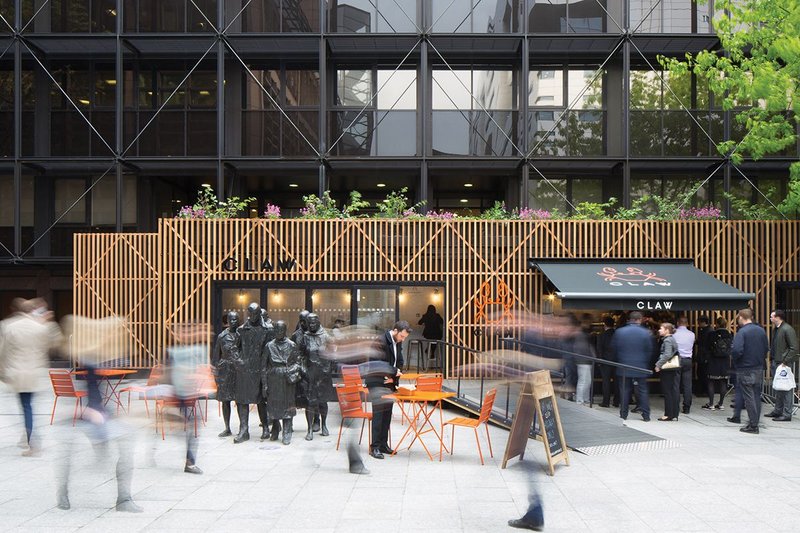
(441, 215)
(272, 211)
(208, 206)
(527, 213)
(708, 212)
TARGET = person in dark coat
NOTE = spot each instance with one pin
(318, 368)
(253, 336)
(748, 354)
(719, 364)
(281, 371)
(670, 378)
(389, 350)
(608, 372)
(432, 329)
(224, 359)
(633, 345)
(784, 352)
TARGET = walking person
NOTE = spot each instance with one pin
(719, 365)
(684, 338)
(784, 353)
(633, 345)
(432, 330)
(25, 339)
(705, 339)
(607, 372)
(748, 353)
(670, 378)
(389, 350)
(580, 346)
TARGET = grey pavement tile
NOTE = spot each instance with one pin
(75, 517)
(122, 522)
(185, 519)
(672, 521)
(266, 509)
(377, 509)
(241, 525)
(740, 527)
(610, 525)
(213, 496)
(367, 525)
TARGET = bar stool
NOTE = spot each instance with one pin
(415, 346)
(435, 360)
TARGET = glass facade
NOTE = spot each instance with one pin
(520, 101)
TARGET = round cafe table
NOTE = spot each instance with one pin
(112, 378)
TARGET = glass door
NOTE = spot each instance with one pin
(376, 308)
(285, 304)
(332, 306)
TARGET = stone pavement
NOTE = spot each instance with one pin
(714, 479)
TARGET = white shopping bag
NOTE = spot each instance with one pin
(784, 379)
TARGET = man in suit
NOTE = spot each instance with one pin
(784, 352)
(633, 345)
(748, 353)
(388, 351)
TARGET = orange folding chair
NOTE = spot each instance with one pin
(64, 386)
(351, 377)
(145, 392)
(351, 406)
(486, 410)
(430, 382)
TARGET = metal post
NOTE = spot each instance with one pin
(118, 103)
(221, 100)
(524, 117)
(626, 104)
(17, 130)
(323, 185)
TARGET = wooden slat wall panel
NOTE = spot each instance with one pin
(162, 279)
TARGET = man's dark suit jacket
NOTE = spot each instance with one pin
(385, 354)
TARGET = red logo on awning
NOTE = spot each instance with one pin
(632, 276)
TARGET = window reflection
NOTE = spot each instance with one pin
(662, 16)
(567, 16)
(373, 16)
(474, 16)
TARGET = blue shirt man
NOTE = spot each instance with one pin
(633, 345)
(749, 351)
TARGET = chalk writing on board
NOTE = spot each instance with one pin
(550, 425)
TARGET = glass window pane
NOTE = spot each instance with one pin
(286, 304)
(451, 17)
(237, 300)
(585, 89)
(353, 16)
(7, 202)
(451, 133)
(398, 90)
(645, 90)
(586, 16)
(104, 205)
(548, 195)
(547, 16)
(677, 90)
(302, 88)
(67, 191)
(545, 88)
(376, 308)
(396, 16)
(587, 190)
(332, 306)
(354, 87)
(451, 89)
(494, 89)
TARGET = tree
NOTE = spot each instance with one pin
(756, 74)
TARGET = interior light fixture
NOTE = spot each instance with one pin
(293, 185)
(464, 200)
(205, 93)
(111, 82)
(467, 185)
(380, 185)
(84, 101)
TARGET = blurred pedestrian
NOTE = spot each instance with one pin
(184, 366)
(784, 353)
(584, 364)
(633, 345)
(26, 337)
(685, 342)
(608, 372)
(719, 364)
(705, 340)
(670, 378)
(749, 353)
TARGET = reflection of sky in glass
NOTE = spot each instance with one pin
(668, 16)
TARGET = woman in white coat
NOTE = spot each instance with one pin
(25, 339)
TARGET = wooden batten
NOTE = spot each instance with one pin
(158, 280)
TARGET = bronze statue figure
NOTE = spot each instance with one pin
(282, 372)
(224, 359)
(318, 369)
(253, 336)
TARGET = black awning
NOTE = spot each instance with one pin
(638, 285)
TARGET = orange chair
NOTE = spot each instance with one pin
(351, 377)
(145, 392)
(351, 406)
(486, 410)
(430, 382)
(63, 386)
(167, 402)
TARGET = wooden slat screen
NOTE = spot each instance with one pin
(159, 280)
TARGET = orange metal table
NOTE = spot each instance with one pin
(106, 376)
(424, 405)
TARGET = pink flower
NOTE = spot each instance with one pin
(272, 211)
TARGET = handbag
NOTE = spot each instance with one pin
(784, 379)
(673, 363)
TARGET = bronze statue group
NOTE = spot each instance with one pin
(257, 363)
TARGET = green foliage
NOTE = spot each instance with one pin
(208, 206)
(325, 207)
(593, 210)
(396, 205)
(757, 77)
(790, 206)
(497, 212)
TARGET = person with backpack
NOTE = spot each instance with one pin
(719, 364)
